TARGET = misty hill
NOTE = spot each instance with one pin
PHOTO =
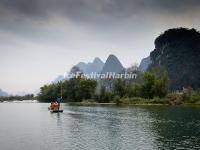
(59, 78)
(144, 64)
(112, 65)
(95, 66)
(82, 66)
(87, 68)
(3, 93)
(179, 51)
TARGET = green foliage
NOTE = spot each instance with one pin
(71, 90)
(120, 88)
(88, 101)
(175, 99)
(86, 89)
(104, 96)
(109, 96)
(154, 85)
(74, 90)
(133, 90)
(49, 92)
(20, 98)
(151, 84)
(117, 99)
(147, 88)
(160, 88)
(194, 98)
(144, 101)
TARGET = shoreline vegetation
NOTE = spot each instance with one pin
(150, 89)
(127, 102)
(138, 101)
(17, 98)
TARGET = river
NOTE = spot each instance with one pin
(30, 126)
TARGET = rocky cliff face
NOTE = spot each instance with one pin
(179, 51)
(144, 64)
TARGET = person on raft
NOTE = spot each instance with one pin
(55, 105)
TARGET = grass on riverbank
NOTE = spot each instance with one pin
(130, 101)
(170, 99)
(142, 101)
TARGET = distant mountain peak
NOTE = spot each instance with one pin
(98, 62)
(3, 93)
(97, 59)
(95, 66)
(81, 63)
(112, 56)
(112, 65)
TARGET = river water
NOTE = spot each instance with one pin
(30, 126)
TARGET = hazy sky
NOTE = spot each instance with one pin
(40, 39)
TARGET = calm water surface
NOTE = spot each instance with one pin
(30, 126)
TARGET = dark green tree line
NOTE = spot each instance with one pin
(73, 90)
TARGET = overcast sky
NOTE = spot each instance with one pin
(40, 39)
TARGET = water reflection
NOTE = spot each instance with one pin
(176, 127)
(107, 128)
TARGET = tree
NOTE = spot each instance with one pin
(147, 88)
(49, 92)
(120, 87)
(134, 90)
(86, 89)
(75, 89)
(71, 89)
(161, 82)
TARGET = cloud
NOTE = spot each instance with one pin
(95, 13)
(75, 22)
(93, 10)
(43, 38)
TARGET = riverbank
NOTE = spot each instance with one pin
(122, 102)
(140, 101)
